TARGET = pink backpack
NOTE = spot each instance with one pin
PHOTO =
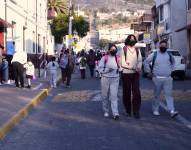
(117, 59)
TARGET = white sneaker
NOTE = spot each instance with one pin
(106, 115)
(173, 113)
(156, 113)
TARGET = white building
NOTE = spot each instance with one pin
(115, 34)
(26, 24)
(171, 15)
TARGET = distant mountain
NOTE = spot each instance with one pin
(147, 2)
(114, 4)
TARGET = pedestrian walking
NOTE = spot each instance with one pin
(18, 61)
(4, 70)
(67, 67)
(98, 58)
(52, 67)
(83, 64)
(109, 68)
(91, 58)
(161, 68)
(131, 63)
(30, 72)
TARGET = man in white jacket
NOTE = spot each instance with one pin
(19, 59)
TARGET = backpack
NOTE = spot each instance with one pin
(116, 59)
(154, 59)
(83, 62)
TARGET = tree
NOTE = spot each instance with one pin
(80, 25)
(59, 27)
(60, 6)
(103, 43)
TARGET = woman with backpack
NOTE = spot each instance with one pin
(131, 63)
(91, 59)
(109, 69)
(83, 63)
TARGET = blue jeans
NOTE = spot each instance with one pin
(5, 70)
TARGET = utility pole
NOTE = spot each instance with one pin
(70, 18)
(69, 38)
(5, 29)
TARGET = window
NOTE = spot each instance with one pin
(14, 1)
(33, 42)
(13, 30)
(24, 42)
(39, 43)
(161, 13)
(189, 4)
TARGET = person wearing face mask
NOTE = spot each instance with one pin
(161, 69)
(109, 69)
(131, 63)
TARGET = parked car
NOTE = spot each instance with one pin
(179, 69)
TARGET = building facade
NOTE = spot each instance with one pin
(170, 15)
(187, 28)
(25, 23)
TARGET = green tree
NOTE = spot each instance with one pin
(80, 25)
(103, 43)
(60, 6)
(59, 27)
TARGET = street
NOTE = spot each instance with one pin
(72, 119)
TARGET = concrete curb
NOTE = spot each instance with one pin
(22, 113)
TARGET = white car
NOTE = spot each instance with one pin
(179, 69)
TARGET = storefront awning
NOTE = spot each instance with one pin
(5, 24)
(184, 28)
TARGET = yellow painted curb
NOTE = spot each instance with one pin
(22, 113)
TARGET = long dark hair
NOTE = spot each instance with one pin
(128, 39)
(111, 45)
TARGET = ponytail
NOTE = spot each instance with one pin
(53, 64)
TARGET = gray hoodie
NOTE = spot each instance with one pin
(162, 67)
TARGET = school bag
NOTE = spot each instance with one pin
(83, 62)
(116, 60)
(154, 59)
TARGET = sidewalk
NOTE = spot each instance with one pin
(15, 103)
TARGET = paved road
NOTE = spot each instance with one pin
(72, 119)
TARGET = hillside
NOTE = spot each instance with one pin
(114, 4)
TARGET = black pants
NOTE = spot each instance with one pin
(66, 76)
(131, 83)
(18, 71)
(92, 70)
(83, 73)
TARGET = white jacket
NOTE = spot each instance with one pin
(29, 68)
(20, 56)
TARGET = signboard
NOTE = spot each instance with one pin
(147, 38)
(69, 41)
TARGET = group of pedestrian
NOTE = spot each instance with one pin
(88, 60)
(20, 64)
(128, 65)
